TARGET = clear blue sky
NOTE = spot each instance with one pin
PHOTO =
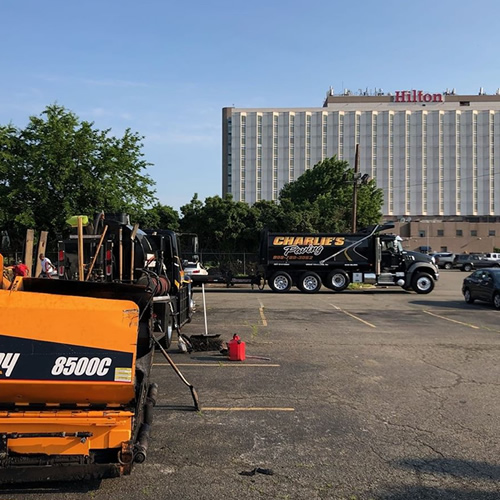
(166, 69)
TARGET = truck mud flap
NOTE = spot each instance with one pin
(60, 472)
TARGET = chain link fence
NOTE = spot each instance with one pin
(234, 264)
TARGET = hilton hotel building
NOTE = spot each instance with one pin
(436, 156)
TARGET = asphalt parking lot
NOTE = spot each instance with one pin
(366, 394)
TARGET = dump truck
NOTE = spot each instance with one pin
(76, 397)
(309, 261)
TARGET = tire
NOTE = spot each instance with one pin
(280, 282)
(337, 280)
(467, 268)
(422, 283)
(468, 296)
(496, 301)
(309, 282)
(166, 341)
(448, 265)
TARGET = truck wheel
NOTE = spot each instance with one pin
(448, 265)
(169, 329)
(467, 268)
(337, 280)
(309, 282)
(280, 282)
(422, 283)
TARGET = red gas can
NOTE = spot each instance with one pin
(236, 349)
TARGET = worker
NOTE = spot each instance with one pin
(48, 269)
(20, 269)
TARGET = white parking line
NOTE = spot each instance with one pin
(221, 408)
(221, 365)
(452, 320)
(353, 316)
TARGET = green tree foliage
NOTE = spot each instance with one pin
(221, 223)
(157, 217)
(321, 199)
(59, 166)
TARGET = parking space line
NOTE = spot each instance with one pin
(221, 408)
(353, 316)
(262, 316)
(221, 364)
(452, 320)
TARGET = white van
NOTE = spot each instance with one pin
(492, 256)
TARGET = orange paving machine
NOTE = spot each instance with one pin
(75, 394)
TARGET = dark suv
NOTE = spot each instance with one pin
(468, 262)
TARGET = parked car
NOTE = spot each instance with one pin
(196, 272)
(444, 260)
(484, 285)
(468, 262)
(493, 256)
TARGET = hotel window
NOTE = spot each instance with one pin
(491, 232)
(459, 232)
(390, 187)
(458, 167)
(421, 233)
(308, 142)
(275, 157)
(258, 196)
(374, 145)
(341, 136)
(229, 156)
(492, 163)
(441, 163)
(324, 136)
(473, 232)
(357, 123)
(474, 164)
(407, 163)
(424, 163)
(243, 132)
(440, 232)
(291, 149)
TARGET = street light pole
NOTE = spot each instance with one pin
(355, 189)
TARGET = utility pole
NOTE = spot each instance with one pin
(355, 190)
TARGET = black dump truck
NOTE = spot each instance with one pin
(309, 261)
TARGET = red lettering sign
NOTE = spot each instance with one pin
(417, 96)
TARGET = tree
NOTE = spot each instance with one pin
(320, 200)
(59, 166)
(221, 223)
(158, 217)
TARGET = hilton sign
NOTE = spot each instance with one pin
(417, 96)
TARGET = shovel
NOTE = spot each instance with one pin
(206, 341)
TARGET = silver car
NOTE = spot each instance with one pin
(444, 260)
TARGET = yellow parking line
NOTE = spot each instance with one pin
(453, 320)
(262, 316)
(217, 365)
(353, 316)
(221, 408)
